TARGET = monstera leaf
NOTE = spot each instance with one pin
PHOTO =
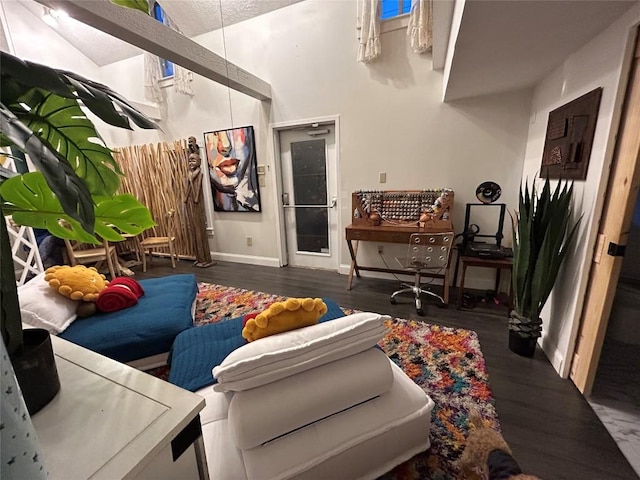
(121, 213)
(19, 76)
(63, 181)
(31, 202)
(62, 123)
(141, 5)
(71, 195)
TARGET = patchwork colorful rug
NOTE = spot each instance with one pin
(446, 362)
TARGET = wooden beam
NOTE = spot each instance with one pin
(145, 32)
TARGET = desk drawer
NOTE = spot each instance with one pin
(358, 235)
(391, 237)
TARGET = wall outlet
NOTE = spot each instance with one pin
(249, 241)
(380, 249)
(382, 177)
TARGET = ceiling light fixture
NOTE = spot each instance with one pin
(51, 16)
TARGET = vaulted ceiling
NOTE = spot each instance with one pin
(192, 17)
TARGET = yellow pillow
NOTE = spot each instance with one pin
(283, 316)
(77, 283)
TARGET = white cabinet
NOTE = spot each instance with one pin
(110, 421)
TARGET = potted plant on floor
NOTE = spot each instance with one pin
(75, 182)
(541, 237)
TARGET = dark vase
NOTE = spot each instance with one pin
(523, 334)
(524, 346)
(35, 369)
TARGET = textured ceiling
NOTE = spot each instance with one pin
(192, 17)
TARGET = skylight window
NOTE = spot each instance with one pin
(166, 65)
(394, 8)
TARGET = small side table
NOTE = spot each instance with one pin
(110, 421)
(498, 263)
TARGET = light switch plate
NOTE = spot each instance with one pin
(383, 177)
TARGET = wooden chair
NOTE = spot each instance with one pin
(94, 256)
(152, 243)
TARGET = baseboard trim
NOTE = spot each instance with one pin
(553, 354)
(247, 259)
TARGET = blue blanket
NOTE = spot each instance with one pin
(196, 351)
(146, 329)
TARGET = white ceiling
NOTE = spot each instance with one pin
(510, 45)
(192, 17)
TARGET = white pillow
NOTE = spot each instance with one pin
(262, 414)
(278, 356)
(42, 307)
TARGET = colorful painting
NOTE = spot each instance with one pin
(231, 155)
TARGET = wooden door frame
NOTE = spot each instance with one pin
(274, 137)
(622, 191)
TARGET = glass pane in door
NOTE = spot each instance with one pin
(309, 170)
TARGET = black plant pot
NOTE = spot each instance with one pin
(36, 370)
(524, 346)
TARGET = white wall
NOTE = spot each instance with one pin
(391, 114)
(33, 40)
(600, 63)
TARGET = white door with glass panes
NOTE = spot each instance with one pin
(309, 196)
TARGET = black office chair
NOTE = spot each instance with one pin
(427, 252)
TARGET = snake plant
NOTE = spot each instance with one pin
(76, 179)
(542, 234)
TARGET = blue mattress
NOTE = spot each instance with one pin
(146, 329)
(196, 351)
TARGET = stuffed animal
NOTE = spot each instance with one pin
(283, 316)
(487, 454)
(86, 309)
(122, 292)
(77, 283)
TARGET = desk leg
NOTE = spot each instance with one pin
(354, 265)
(447, 271)
(455, 272)
(461, 289)
(510, 304)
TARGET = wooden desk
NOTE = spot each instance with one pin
(386, 234)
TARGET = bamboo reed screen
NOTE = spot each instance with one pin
(157, 176)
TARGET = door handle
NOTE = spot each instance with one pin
(309, 206)
(285, 203)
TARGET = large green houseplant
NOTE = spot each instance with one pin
(73, 192)
(542, 235)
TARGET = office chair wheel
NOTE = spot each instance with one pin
(420, 312)
(442, 305)
(393, 301)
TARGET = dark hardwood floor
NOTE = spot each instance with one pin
(551, 428)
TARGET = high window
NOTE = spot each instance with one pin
(166, 65)
(394, 8)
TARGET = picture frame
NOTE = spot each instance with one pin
(233, 169)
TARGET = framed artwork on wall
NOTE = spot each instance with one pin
(231, 155)
(570, 130)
